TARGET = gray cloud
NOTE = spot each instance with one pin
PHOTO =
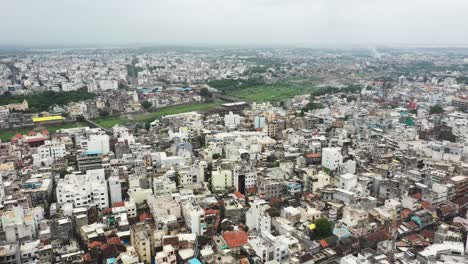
(237, 22)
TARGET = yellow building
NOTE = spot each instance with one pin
(48, 118)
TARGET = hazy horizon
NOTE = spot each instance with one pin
(299, 23)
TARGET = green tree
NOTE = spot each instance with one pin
(42, 101)
(122, 85)
(447, 135)
(205, 93)
(436, 109)
(323, 228)
(146, 105)
(216, 156)
(271, 158)
(103, 113)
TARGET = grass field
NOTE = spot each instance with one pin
(111, 121)
(271, 93)
(149, 117)
(7, 135)
(108, 122)
(263, 93)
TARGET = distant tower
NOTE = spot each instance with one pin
(135, 96)
(385, 89)
(401, 80)
(92, 87)
(115, 189)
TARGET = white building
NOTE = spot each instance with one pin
(67, 87)
(83, 190)
(231, 121)
(19, 223)
(166, 256)
(140, 237)
(98, 143)
(164, 209)
(162, 185)
(108, 85)
(52, 149)
(271, 248)
(29, 251)
(194, 217)
(161, 160)
(192, 174)
(115, 189)
(432, 252)
(92, 87)
(353, 216)
(48, 153)
(257, 217)
(221, 179)
(348, 181)
(332, 158)
(244, 177)
(129, 257)
(343, 196)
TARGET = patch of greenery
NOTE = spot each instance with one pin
(229, 85)
(7, 135)
(446, 135)
(255, 90)
(205, 93)
(111, 121)
(146, 105)
(436, 109)
(462, 80)
(312, 106)
(333, 90)
(270, 93)
(158, 113)
(43, 101)
(323, 228)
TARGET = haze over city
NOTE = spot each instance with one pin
(321, 23)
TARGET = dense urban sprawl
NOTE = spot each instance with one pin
(193, 155)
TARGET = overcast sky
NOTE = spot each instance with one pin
(236, 22)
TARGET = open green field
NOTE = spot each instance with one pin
(7, 135)
(111, 121)
(108, 122)
(271, 93)
(149, 117)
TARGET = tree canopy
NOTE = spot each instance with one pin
(323, 228)
(205, 93)
(447, 135)
(436, 109)
(42, 101)
(225, 85)
(146, 105)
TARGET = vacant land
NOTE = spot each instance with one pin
(149, 117)
(108, 122)
(253, 90)
(270, 93)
